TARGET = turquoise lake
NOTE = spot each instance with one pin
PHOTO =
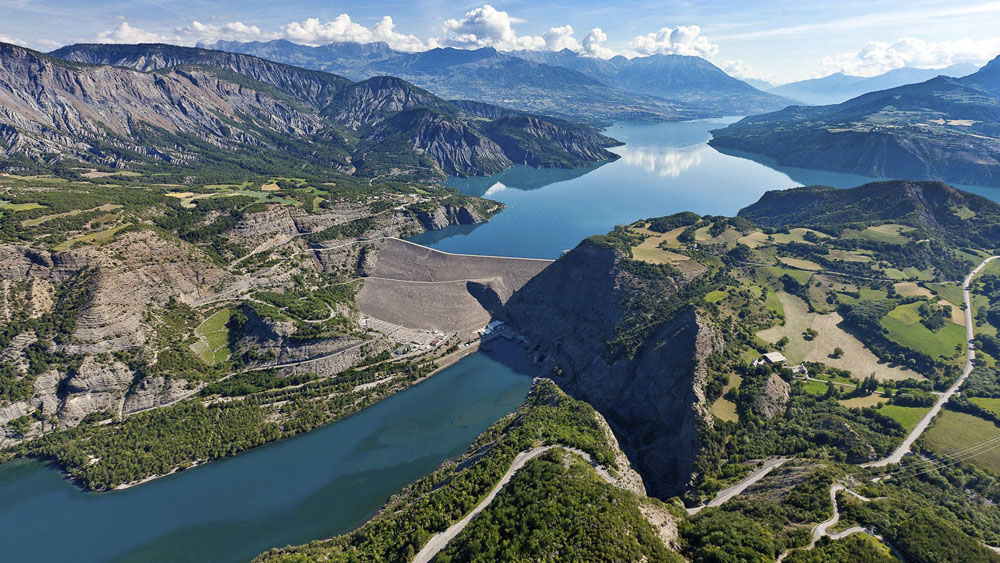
(664, 168)
(331, 480)
(313, 486)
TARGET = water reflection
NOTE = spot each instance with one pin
(665, 162)
(804, 176)
(520, 177)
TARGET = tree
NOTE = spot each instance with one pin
(838, 353)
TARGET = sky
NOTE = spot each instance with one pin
(778, 41)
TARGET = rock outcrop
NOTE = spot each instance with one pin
(652, 395)
(134, 113)
(773, 398)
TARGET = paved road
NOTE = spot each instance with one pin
(904, 448)
(440, 540)
(728, 493)
(821, 529)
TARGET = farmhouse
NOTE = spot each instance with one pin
(773, 358)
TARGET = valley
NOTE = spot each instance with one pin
(310, 311)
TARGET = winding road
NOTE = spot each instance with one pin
(904, 448)
(730, 492)
(440, 540)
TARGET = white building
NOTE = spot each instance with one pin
(490, 328)
(773, 358)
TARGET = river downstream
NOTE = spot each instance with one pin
(315, 485)
(332, 479)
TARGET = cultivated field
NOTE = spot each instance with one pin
(905, 328)
(213, 338)
(857, 359)
(959, 432)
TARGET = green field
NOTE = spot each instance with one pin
(90, 238)
(716, 296)
(15, 207)
(800, 276)
(888, 233)
(948, 291)
(905, 329)
(725, 410)
(815, 387)
(908, 417)
(989, 403)
(213, 338)
(965, 433)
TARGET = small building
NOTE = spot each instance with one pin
(800, 370)
(491, 328)
(772, 358)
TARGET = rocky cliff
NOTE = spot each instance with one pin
(166, 104)
(652, 394)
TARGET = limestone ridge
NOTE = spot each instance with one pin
(130, 105)
(942, 129)
(653, 397)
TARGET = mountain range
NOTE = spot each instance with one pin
(118, 105)
(941, 129)
(840, 87)
(562, 83)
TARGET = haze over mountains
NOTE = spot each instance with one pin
(561, 83)
(188, 106)
(840, 87)
(942, 129)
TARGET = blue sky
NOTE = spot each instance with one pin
(780, 41)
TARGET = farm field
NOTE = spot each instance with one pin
(954, 432)
(991, 404)
(15, 207)
(905, 329)
(800, 263)
(213, 338)
(725, 409)
(908, 417)
(90, 238)
(857, 359)
(39, 220)
(890, 233)
(872, 400)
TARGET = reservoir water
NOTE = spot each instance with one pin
(664, 168)
(313, 486)
(332, 479)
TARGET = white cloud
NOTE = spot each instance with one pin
(312, 31)
(743, 70)
(559, 38)
(682, 40)
(488, 27)
(231, 31)
(125, 33)
(877, 57)
(592, 44)
(10, 39)
(484, 26)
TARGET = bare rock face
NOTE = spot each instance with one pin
(652, 395)
(153, 392)
(96, 386)
(773, 398)
(447, 215)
